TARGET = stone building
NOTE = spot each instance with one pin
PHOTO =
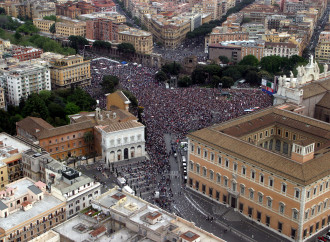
(28, 210)
(272, 166)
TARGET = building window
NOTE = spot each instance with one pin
(243, 170)
(297, 193)
(308, 194)
(260, 197)
(314, 192)
(295, 214)
(219, 160)
(253, 174)
(281, 208)
(192, 147)
(211, 175)
(204, 171)
(205, 154)
(269, 202)
(198, 150)
(197, 168)
(225, 181)
(261, 178)
(242, 189)
(306, 214)
(191, 165)
(283, 187)
(212, 157)
(251, 194)
(218, 178)
(227, 163)
(235, 167)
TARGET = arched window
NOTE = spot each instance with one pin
(218, 178)
(211, 175)
(282, 208)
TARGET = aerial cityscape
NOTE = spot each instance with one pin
(165, 121)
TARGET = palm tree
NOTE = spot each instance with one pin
(89, 140)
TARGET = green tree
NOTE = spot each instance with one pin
(45, 95)
(161, 76)
(126, 48)
(109, 83)
(28, 28)
(89, 140)
(253, 78)
(77, 42)
(272, 64)
(2, 11)
(249, 60)
(82, 99)
(50, 17)
(35, 106)
(56, 110)
(17, 36)
(131, 97)
(172, 68)
(71, 108)
(52, 28)
(184, 81)
(215, 80)
(227, 81)
(199, 75)
(224, 59)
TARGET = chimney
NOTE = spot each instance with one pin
(302, 151)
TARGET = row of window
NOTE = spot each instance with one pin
(125, 140)
(67, 138)
(253, 175)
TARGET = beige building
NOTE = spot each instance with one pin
(2, 98)
(27, 210)
(42, 24)
(169, 32)
(70, 70)
(141, 40)
(272, 166)
(3, 175)
(71, 27)
(322, 51)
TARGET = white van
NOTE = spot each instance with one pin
(128, 190)
(121, 181)
(184, 159)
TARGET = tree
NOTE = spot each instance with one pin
(131, 97)
(28, 28)
(50, 17)
(172, 68)
(82, 99)
(161, 76)
(77, 42)
(35, 106)
(253, 78)
(71, 108)
(17, 36)
(45, 95)
(56, 110)
(89, 140)
(126, 48)
(184, 81)
(109, 83)
(2, 11)
(198, 76)
(249, 60)
(52, 29)
(215, 80)
(224, 59)
(227, 82)
(272, 64)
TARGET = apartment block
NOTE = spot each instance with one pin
(272, 166)
(70, 70)
(28, 210)
(2, 99)
(42, 24)
(71, 186)
(74, 9)
(322, 51)
(25, 53)
(141, 40)
(21, 80)
(67, 27)
(11, 150)
(101, 29)
(281, 49)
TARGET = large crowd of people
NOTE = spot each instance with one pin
(176, 111)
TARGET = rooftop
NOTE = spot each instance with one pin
(226, 136)
(39, 207)
(10, 146)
